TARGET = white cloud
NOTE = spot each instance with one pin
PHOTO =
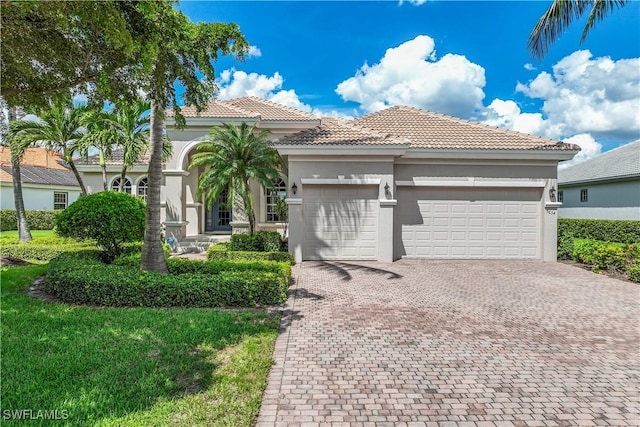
(411, 74)
(254, 51)
(235, 84)
(529, 67)
(590, 95)
(590, 148)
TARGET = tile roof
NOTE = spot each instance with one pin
(42, 175)
(116, 158)
(426, 129)
(269, 110)
(248, 107)
(37, 156)
(620, 162)
(334, 131)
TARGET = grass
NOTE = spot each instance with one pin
(113, 367)
(12, 236)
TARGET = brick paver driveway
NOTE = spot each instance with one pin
(469, 343)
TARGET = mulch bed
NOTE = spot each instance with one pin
(13, 262)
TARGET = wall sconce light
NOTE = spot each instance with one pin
(294, 188)
(387, 190)
(552, 194)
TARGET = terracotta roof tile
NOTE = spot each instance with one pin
(37, 156)
(438, 131)
(216, 109)
(269, 110)
(333, 131)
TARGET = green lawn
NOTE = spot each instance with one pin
(12, 236)
(130, 366)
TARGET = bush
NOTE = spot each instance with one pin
(41, 248)
(83, 279)
(37, 219)
(633, 272)
(110, 218)
(262, 241)
(622, 231)
(606, 255)
(222, 253)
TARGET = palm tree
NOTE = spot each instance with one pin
(60, 128)
(17, 148)
(99, 136)
(561, 14)
(130, 122)
(234, 155)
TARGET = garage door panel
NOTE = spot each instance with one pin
(469, 223)
(340, 222)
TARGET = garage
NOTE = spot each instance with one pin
(340, 222)
(468, 223)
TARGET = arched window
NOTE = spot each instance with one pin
(279, 191)
(115, 185)
(143, 186)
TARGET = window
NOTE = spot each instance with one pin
(560, 196)
(143, 186)
(279, 191)
(584, 195)
(60, 200)
(115, 185)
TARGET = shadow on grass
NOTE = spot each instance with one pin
(343, 269)
(100, 364)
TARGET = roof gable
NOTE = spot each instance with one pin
(621, 162)
(268, 110)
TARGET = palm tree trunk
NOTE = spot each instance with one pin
(103, 166)
(248, 206)
(152, 253)
(24, 234)
(123, 175)
(83, 190)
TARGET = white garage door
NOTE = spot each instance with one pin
(340, 222)
(477, 223)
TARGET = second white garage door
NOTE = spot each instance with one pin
(480, 223)
(340, 222)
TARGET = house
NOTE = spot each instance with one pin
(135, 181)
(46, 182)
(401, 182)
(604, 187)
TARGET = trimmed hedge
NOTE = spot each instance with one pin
(622, 257)
(261, 241)
(622, 231)
(81, 278)
(37, 219)
(42, 249)
(220, 252)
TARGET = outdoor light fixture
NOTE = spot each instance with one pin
(552, 194)
(387, 191)
(294, 188)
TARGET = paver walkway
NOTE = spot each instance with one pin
(444, 343)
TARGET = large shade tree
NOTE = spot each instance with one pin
(176, 50)
(234, 155)
(561, 14)
(58, 127)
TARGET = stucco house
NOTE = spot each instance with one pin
(604, 187)
(46, 182)
(401, 182)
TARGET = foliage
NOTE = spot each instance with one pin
(221, 253)
(262, 241)
(234, 155)
(43, 247)
(623, 231)
(108, 217)
(282, 210)
(37, 219)
(201, 367)
(561, 14)
(59, 127)
(633, 272)
(83, 279)
(604, 255)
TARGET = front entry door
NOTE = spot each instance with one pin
(218, 218)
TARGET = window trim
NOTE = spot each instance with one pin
(560, 196)
(584, 195)
(117, 178)
(66, 200)
(280, 187)
(146, 188)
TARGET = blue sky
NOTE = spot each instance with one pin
(468, 59)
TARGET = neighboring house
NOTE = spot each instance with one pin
(46, 182)
(401, 182)
(604, 187)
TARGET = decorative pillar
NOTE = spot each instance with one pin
(385, 230)
(175, 207)
(296, 227)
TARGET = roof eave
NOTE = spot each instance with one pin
(341, 149)
(462, 153)
(629, 177)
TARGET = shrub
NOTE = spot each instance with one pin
(37, 219)
(605, 255)
(622, 231)
(83, 279)
(41, 248)
(633, 272)
(261, 241)
(110, 218)
(221, 253)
